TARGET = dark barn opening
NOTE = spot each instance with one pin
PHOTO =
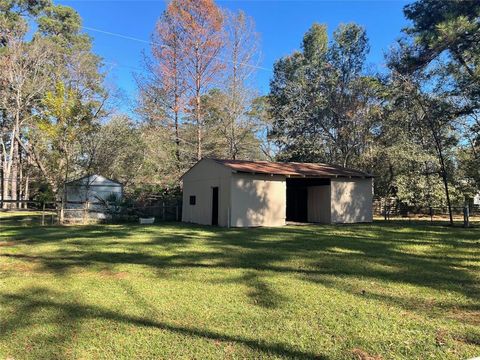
(215, 206)
(297, 197)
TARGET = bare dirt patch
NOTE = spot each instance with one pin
(441, 337)
(466, 316)
(19, 267)
(7, 243)
(113, 274)
(359, 354)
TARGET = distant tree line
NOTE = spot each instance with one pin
(51, 96)
(416, 126)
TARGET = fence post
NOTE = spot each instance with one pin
(43, 214)
(466, 216)
(163, 210)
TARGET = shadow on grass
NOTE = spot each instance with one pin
(29, 303)
(415, 254)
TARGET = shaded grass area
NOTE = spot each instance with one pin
(390, 290)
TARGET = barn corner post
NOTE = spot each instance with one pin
(228, 218)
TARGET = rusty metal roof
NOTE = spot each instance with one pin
(291, 168)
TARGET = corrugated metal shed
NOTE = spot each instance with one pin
(90, 193)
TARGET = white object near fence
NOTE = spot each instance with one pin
(147, 221)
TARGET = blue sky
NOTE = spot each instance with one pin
(281, 25)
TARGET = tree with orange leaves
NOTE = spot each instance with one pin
(200, 23)
(169, 54)
(163, 91)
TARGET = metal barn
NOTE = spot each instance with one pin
(90, 194)
(242, 193)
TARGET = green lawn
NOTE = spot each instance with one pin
(387, 290)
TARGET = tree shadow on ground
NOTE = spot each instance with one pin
(67, 316)
(314, 253)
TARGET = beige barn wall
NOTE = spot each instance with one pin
(352, 200)
(258, 200)
(199, 182)
(319, 208)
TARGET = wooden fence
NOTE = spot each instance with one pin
(390, 208)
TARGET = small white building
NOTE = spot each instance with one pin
(476, 199)
(260, 193)
(90, 192)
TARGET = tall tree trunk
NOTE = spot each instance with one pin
(443, 168)
(232, 151)
(176, 105)
(64, 187)
(445, 184)
(441, 157)
(3, 158)
(233, 106)
(26, 192)
(35, 158)
(20, 178)
(198, 118)
(7, 170)
(177, 134)
(15, 159)
(14, 175)
(4, 181)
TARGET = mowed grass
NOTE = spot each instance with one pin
(175, 291)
